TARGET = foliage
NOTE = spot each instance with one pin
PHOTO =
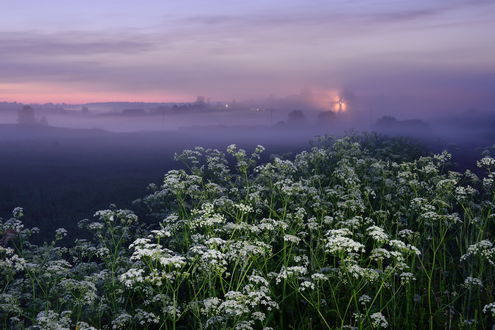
(358, 232)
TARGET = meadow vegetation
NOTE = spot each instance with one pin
(354, 233)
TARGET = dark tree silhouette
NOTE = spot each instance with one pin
(296, 117)
(26, 116)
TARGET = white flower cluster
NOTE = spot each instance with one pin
(473, 282)
(489, 308)
(60, 233)
(252, 302)
(50, 320)
(487, 162)
(341, 235)
(364, 299)
(144, 318)
(121, 321)
(338, 242)
(10, 261)
(378, 234)
(483, 249)
(378, 320)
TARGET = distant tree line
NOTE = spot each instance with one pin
(27, 117)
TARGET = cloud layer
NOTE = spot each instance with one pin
(248, 49)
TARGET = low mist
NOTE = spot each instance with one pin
(63, 162)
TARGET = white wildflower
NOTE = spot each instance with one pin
(291, 239)
(490, 308)
(378, 320)
(406, 277)
(305, 285)
(473, 282)
(364, 299)
(378, 234)
(487, 162)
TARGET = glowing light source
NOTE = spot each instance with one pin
(331, 99)
(341, 105)
(338, 104)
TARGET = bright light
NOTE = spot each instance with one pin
(329, 99)
(339, 105)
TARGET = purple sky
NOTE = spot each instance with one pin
(434, 55)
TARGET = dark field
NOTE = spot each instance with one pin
(60, 176)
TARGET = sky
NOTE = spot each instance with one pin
(423, 54)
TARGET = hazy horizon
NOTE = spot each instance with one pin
(402, 56)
